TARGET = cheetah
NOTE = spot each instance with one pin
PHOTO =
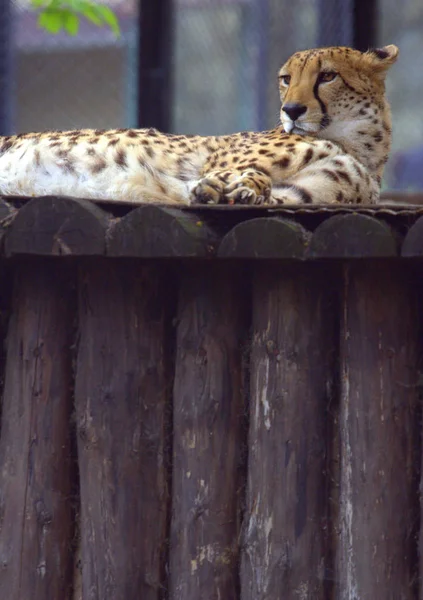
(331, 147)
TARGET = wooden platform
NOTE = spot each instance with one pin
(70, 227)
(217, 403)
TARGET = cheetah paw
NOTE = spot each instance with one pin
(249, 187)
(243, 195)
(233, 187)
(207, 191)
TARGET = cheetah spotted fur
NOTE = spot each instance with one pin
(333, 146)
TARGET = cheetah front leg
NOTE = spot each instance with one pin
(233, 187)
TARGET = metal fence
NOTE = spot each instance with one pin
(220, 56)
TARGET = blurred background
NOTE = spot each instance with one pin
(200, 66)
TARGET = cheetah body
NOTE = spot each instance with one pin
(332, 147)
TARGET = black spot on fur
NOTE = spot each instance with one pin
(308, 156)
(262, 170)
(344, 176)
(303, 194)
(330, 174)
(283, 162)
(121, 159)
(6, 144)
(98, 165)
(325, 122)
(68, 164)
(357, 169)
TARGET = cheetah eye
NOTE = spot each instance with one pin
(326, 76)
(285, 79)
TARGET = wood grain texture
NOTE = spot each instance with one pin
(286, 550)
(209, 435)
(379, 434)
(37, 475)
(122, 393)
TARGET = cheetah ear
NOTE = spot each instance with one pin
(380, 59)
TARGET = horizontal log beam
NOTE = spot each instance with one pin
(60, 226)
(57, 226)
(156, 232)
(266, 237)
(353, 236)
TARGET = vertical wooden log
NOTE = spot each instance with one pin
(286, 550)
(209, 425)
(36, 464)
(121, 393)
(379, 434)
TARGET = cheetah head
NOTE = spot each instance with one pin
(333, 92)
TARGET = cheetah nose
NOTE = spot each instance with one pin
(294, 110)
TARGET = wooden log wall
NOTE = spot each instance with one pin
(221, 404)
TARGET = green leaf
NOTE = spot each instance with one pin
(51, 20)
(76, 5)
(55, 4)
(90, 14)
(71, 22)
(109, 18)
(39, 3)
(53, 15)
